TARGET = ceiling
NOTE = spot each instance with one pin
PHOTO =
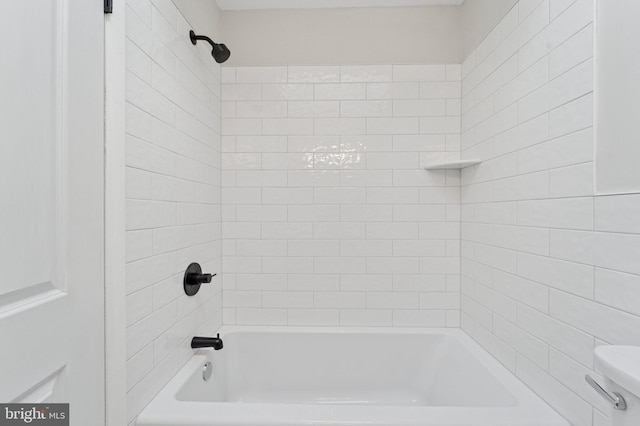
(325, 4)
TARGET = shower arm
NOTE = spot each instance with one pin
(194, 39)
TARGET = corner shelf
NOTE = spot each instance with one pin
(456, 164)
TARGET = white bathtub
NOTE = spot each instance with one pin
(283, 376)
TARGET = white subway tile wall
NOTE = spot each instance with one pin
(328, 216)
(548, 270)
(310, 181)
(173, 195)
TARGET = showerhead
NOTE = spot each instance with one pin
(219, 51)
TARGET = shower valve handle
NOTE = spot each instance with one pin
(193, 278)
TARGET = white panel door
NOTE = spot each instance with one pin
(51, 205)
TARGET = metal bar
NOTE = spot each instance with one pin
(614, 398)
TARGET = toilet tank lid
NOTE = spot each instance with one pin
(621, 365)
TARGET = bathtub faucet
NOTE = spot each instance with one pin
(205, 342)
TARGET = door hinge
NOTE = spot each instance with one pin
(108, 6)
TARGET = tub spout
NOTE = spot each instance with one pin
(205, 342)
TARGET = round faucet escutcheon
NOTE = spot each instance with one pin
(194, 278)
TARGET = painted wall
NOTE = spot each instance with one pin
(618, 92)
(203, 15)
(350, 36)
(478, 18)
(173, 193)
(548, 270)
(328, 216)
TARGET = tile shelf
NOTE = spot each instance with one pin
(455, 164)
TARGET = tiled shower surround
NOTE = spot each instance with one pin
(173, 195)
(548, 270)
(328, 215)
